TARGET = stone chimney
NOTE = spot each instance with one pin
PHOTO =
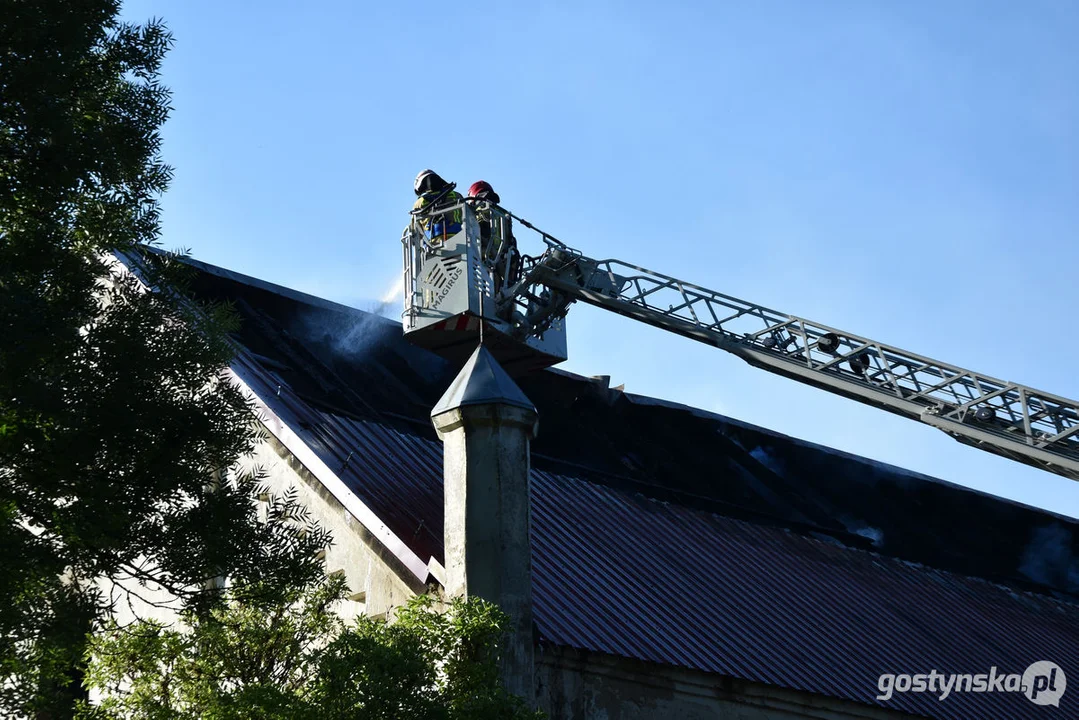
(486, 425)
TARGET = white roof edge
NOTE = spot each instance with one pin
(280, 289)
(251, 282)
(330, 480)
(295, 445)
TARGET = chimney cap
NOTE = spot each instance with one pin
(482, 381)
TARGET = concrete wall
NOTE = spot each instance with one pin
(576, 685)
(377, 580)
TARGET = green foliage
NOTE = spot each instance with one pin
(428, 664)
(120, 435)
(295, 659)
(115, 410)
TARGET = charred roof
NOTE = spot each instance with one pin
(774, 559)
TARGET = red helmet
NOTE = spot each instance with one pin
(483, 190)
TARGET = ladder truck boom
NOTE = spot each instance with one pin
(1005, 418)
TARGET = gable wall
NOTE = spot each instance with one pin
(368, 567)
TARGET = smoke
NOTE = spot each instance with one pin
(875, 535)
(765, 458)
(1048, 558)
(858, 526)
(351, 336)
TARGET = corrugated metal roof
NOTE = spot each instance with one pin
(656, 573)
(619, 573)
(396, 474)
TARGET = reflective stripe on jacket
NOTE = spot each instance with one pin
(441, 225)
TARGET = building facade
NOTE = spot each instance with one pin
(658, 560)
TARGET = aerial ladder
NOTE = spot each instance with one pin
(457, 287)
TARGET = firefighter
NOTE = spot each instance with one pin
(482, 191)
(432, 192)
(496, 234)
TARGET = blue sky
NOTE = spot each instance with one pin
(907, 171)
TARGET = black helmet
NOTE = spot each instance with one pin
(427, 181)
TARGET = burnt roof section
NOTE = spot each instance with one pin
(668, 534)
(482, 381)
(356, 366)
